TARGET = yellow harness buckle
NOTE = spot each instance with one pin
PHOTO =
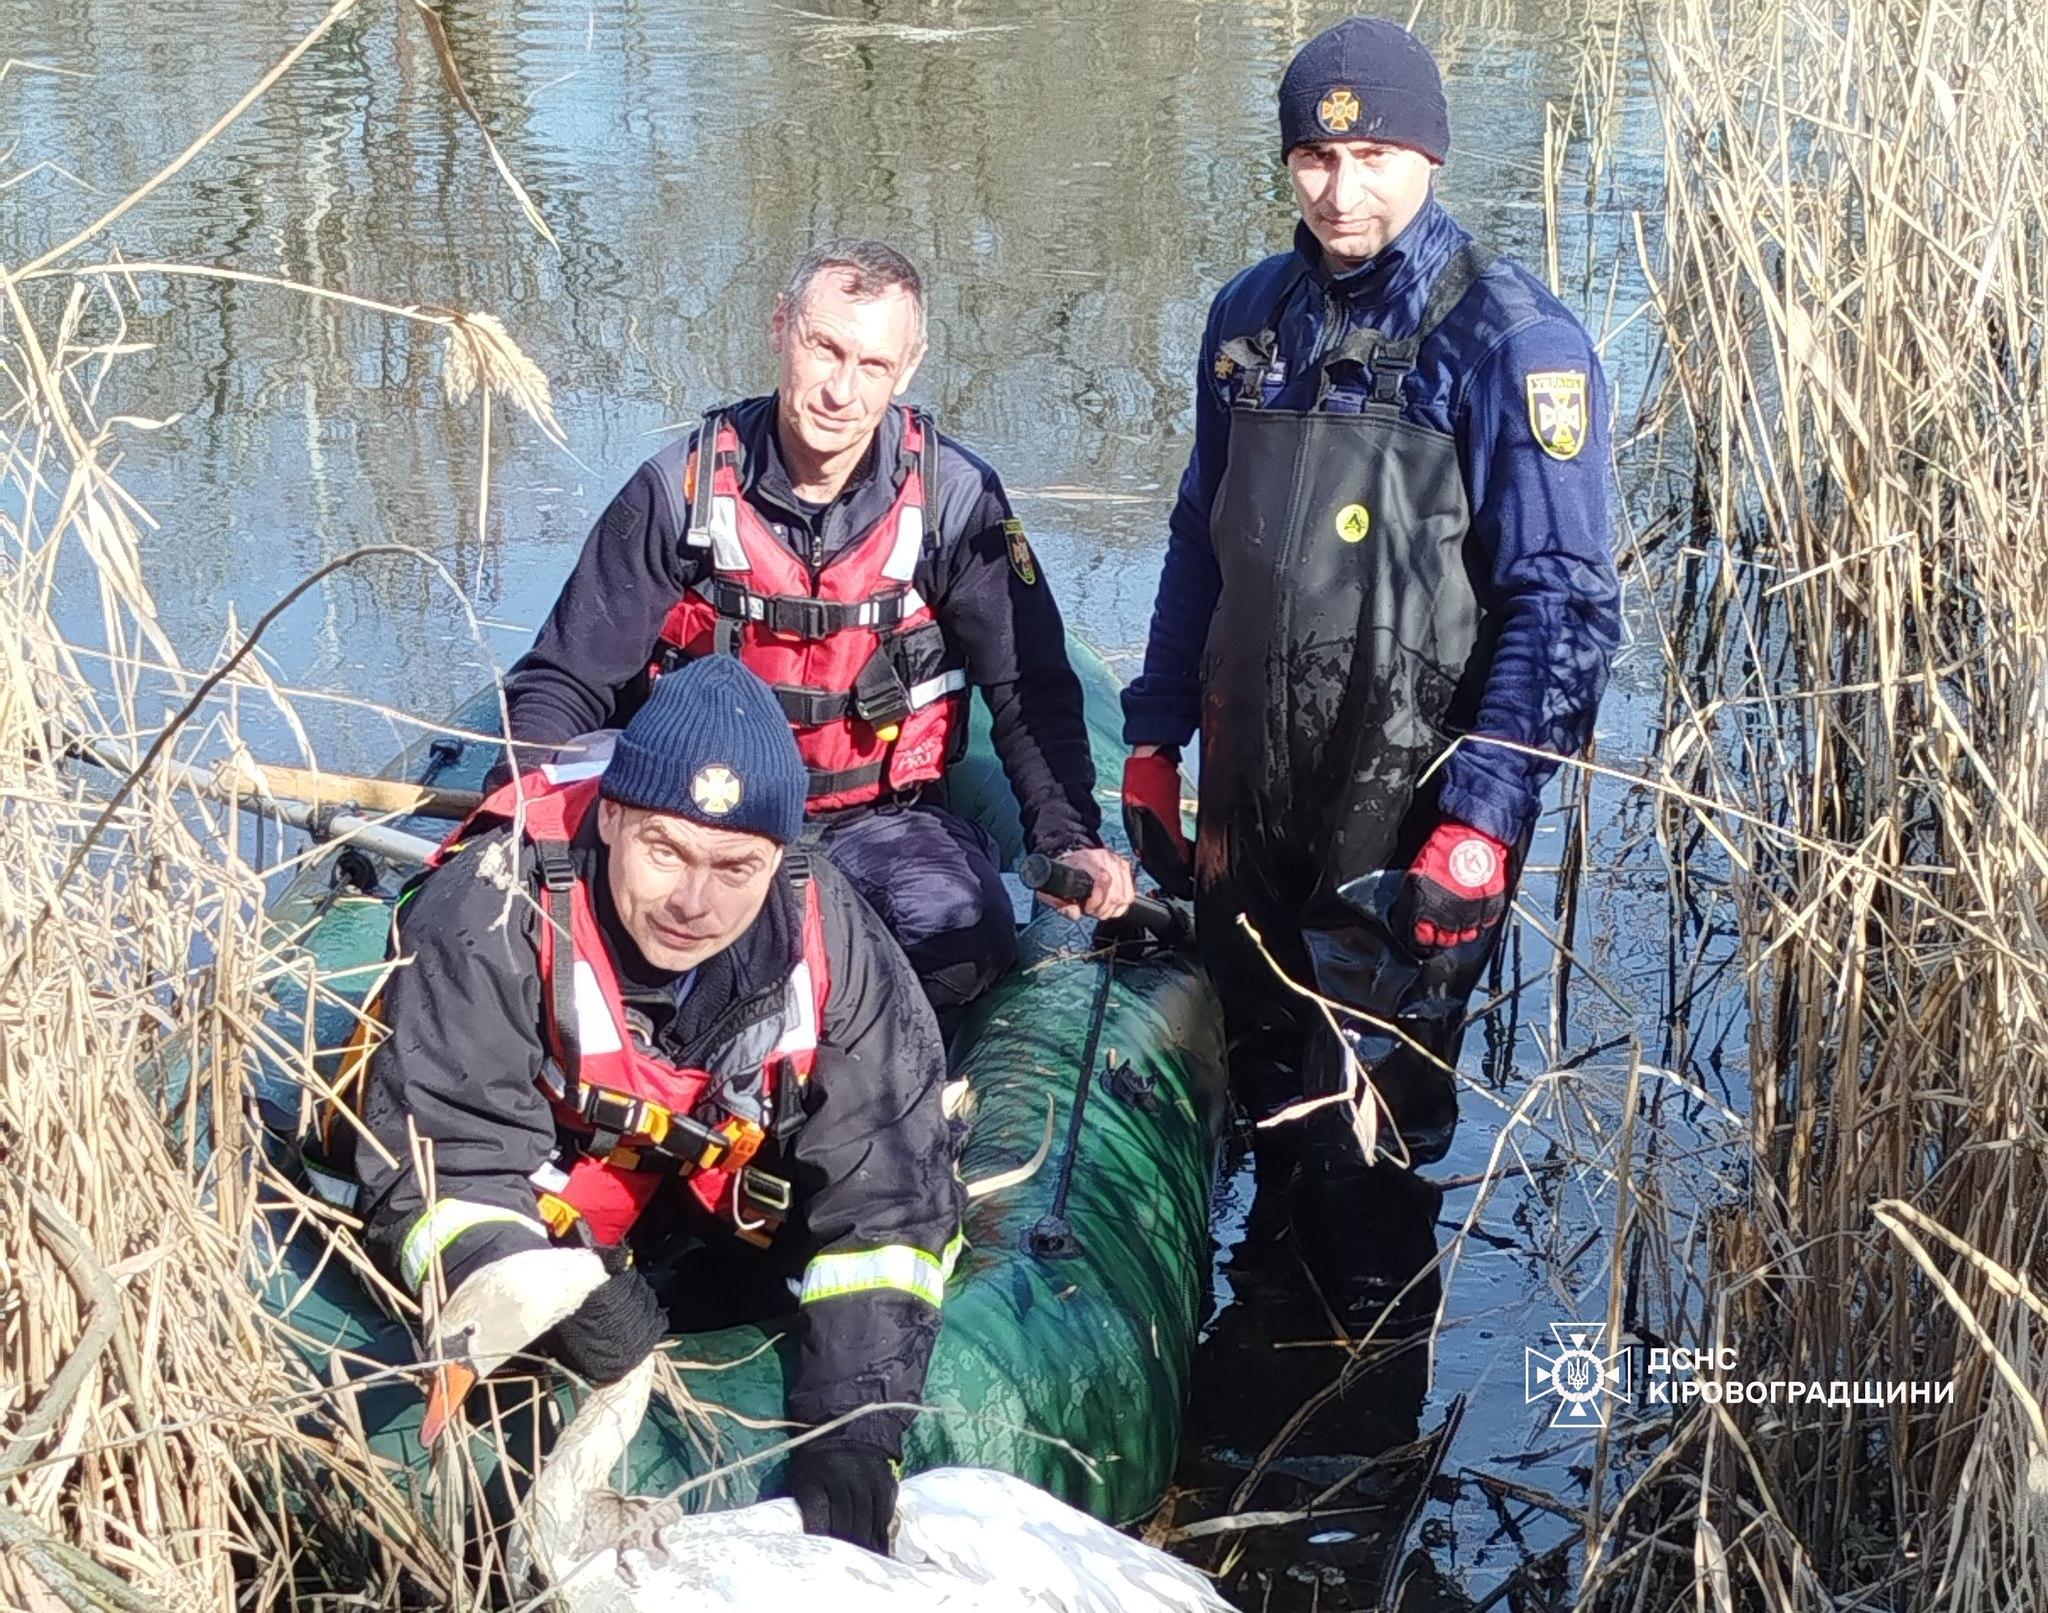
(743, 1140)
(559, 1214)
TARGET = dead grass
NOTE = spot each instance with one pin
(162, 1444)
(1847, 275)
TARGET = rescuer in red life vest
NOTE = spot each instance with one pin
(872, 572)
(650, 1025)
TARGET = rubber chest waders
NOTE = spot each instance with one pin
(1346, 652)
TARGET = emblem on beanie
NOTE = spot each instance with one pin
(1338, 111)
(715, 789)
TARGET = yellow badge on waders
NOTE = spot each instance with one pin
(1353, 522)
(1022, 561)
(1557, 411)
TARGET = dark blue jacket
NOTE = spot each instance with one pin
(1542, 525)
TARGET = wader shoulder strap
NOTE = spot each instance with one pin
(1459, 276)
(1257, 355)
(1390, 361)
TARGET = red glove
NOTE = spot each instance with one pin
(1152, 820)
(1457, 887)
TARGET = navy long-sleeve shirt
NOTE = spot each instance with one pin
(1542, 525)
(588, 665)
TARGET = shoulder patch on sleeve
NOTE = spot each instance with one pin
(1557, 411)
(1022, 561)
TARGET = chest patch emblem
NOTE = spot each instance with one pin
(1557, 411)
(1353, 522)
(1022, 561)
(1338, 111)
(715, 789)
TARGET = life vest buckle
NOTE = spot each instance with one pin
(743, 1140)
(796, 617)
(766, 1191)
(619, 1114)
(879, 696)
(562, 1217)
(557, 865)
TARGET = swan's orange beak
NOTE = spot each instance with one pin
(452, 1384)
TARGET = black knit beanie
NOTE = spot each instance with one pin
(1365, 79)
(712, 744)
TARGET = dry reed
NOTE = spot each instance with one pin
(162, 1444)
(1847, 270)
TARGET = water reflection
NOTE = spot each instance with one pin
(1076, 188)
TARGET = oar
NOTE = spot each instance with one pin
(318, 809)
(1168, 923)
(324, 789)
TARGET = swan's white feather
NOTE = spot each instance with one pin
(990, 1528)
(967, 1540)
(758, 1560)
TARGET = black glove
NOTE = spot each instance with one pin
(611, 1332)
(845, 1488)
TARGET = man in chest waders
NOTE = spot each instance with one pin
(1391, 546)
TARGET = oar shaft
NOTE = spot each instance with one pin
(323, 823)
(347, 789)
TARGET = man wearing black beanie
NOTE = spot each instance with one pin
(1390, 550)
(631, 1013)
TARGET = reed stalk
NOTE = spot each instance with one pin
(1846, 269)
(163, 1444)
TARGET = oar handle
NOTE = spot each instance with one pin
(1065, 883)
(321, 818)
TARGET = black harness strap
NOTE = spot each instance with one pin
(813, 708)
(558, 882)
(804, 616)
(927, 471)
(788, 1114)
(697, 530)
(825, 781)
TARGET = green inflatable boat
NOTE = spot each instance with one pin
(1065, 1367)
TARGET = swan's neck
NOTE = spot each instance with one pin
(578, 1468)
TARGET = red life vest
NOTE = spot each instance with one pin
(636, 1118)
(859, 662)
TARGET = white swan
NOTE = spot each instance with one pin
(965, 1539)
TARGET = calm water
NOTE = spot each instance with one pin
(1076, 180)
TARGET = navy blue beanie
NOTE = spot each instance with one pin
(1365, 79)
(712, 745)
